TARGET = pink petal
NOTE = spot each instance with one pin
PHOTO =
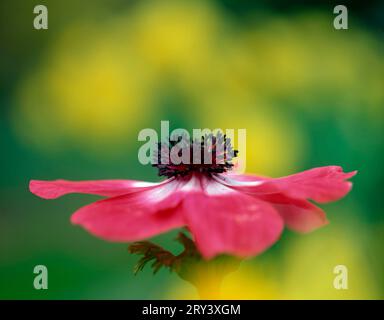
(223, 220)
(298, 215)
(134, 216)
(322, 184)
(108, 188)
(303, 218)
(246, 177)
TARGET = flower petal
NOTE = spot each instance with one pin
(134, 216)
(223, 220)
(245, 177)
(298, 215)
(109, 188)
(304, 217)
(324, 184)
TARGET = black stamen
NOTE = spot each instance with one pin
(217, 147)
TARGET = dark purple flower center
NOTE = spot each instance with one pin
(209, 154)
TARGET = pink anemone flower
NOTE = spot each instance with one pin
(226, 213)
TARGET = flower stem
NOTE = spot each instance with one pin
(209, 288)
(206, 275)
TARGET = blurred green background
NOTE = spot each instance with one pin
(74, 97)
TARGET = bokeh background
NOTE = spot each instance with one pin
(74, 97)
